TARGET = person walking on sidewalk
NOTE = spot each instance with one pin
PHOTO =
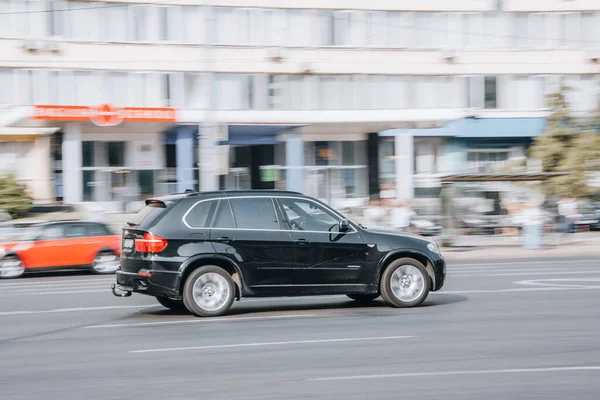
(401, 217)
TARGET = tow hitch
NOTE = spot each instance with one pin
(119, 293)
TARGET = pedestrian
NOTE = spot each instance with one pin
(401, 217)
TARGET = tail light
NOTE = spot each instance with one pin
(150, 244)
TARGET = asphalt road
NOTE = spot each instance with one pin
(520, 329)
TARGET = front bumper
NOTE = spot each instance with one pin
(151, 283)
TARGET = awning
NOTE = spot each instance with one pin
(22, 131)
(514, 177)
(170, 135)
(255, 134)
(480, 128)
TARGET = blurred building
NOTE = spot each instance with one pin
(345, 100)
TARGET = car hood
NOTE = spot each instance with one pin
(395, 239)
(13, 246)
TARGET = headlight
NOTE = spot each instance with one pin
(433, 248)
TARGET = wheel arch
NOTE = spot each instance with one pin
(407, 253)
(226, 263)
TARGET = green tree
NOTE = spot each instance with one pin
(13, 198)
(568, 145)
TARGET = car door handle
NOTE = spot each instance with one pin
(301, 242)
(224, 239)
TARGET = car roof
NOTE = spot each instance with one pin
(221, 193)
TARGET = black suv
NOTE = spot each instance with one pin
(200, 251)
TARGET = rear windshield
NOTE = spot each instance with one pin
(148, 215)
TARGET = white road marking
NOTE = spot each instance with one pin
(107, 290)
(58, 289)
(564, 272)
(466, 372)
(52, 281)
(538, 289)
(265, 344)
(78, 309)
(487, 271)
(509, 263)
(200, 320)
(551, 282)
(54, 285)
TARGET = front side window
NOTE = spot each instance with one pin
(255, 213)
(199, 215)
(305, 215)
(52, 232)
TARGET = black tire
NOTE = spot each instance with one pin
(175, 305)
(110, 266)
(224, 286)
(419, 277)
(15, 270)
(363, 298)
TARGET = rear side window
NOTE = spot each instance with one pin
(224, 217)
(199, 214)
(76, 231)
(98, 230)
(254, 213)
(149, 214)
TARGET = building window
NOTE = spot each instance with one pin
(87, 158)
(387, 166)
(88, 185)
(116, 154)
(146, 183)
(521, 30)
(490, 92)
(57, 18)
(484, 161)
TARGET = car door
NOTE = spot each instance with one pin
(323, 254)
(247, 229)
(46, 249)
(78, 246)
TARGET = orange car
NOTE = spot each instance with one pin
(60, 245)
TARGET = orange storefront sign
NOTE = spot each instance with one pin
(105, 114)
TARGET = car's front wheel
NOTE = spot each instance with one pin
(171, 304)
(405, 283)
(209, 291)
(11, 267)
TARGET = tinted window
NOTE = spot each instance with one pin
(224, 217)
(98, 230)
(76, 231)
(254, 213)
(309, 216)
(149, 214)
(199, 216)
(52, 232)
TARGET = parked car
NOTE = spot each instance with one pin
(60, 245)
(200, 251)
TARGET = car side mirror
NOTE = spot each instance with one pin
(344, 225)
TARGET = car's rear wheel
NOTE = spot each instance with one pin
(105, 262)
(363, 298)
(209, 291)
(405, 283)
(171, 304)
(11, 267)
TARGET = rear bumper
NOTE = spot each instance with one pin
(153, 283)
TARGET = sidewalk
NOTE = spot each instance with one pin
(473, 247)
(584, 244)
